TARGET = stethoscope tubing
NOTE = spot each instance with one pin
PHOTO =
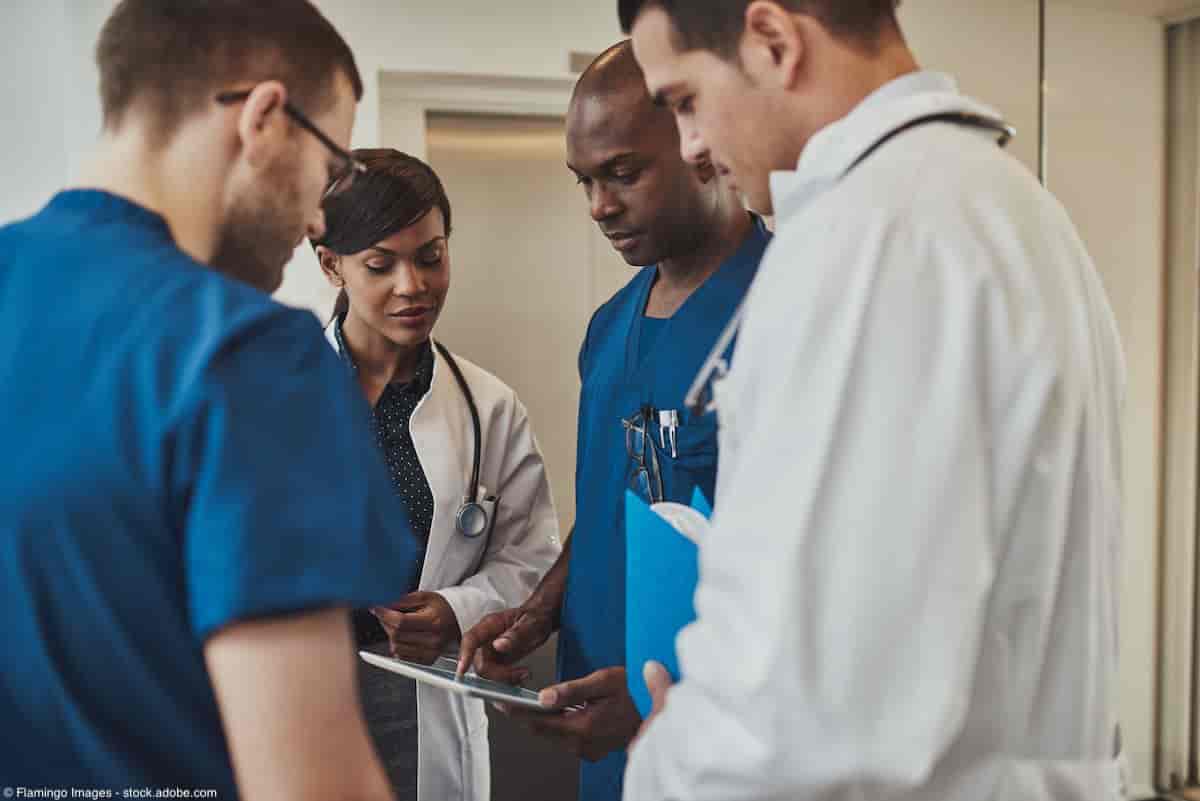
(472, 520)
(699, 399)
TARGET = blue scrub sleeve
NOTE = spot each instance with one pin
(290, 507)
(583, 348)
(580, 437)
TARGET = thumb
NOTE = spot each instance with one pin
(658, 682)
(594, 686)
(390, 618)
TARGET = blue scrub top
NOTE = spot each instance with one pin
(618, 380)
(183, 453)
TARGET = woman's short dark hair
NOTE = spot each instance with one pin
(170, 57)
(717, 25)
(396, 191)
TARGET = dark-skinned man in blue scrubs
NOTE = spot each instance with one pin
(684, 224)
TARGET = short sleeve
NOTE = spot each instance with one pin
(286, 504)
(580, 427)
(583, 349)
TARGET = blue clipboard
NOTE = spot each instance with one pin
(661, 570)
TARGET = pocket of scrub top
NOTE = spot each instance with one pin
(696, 463)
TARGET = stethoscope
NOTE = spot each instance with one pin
(476, 517)
(699, 399)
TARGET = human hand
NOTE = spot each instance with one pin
(497, 642)
(598, 715)
(420, 626)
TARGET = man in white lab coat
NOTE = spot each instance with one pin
(910, 588)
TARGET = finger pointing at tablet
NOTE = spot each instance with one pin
(500, 640)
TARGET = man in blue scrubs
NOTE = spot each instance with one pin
(643, 348)
(177, 556)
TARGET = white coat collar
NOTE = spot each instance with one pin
(834, 149)
(331, 337)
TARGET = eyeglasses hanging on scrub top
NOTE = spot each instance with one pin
(646, 480)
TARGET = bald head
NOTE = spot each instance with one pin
(611, 92)
(611, 97)
(614, 71)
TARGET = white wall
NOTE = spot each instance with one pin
(81, 115)
(522, 37)
(1106, 112)
(33, 93)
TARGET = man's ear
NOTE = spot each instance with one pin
(263, 124)
(331, 265)
(773, 47)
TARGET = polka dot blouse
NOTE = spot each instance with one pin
(392, 415)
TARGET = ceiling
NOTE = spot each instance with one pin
(1170, 9)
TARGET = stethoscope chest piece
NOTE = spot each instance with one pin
(472, 520)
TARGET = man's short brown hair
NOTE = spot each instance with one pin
(167, 58)
(717, 25)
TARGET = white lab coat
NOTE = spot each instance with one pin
(910, 588)
(453, 761)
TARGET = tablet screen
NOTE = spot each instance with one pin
(441, 674)
(439, 668)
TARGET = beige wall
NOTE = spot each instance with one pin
(991, 49)
(528, 38)
(519, 302)
(532, 38)
(1106, 111)
(1179, 723)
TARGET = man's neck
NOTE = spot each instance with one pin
(848, 77)
(185, 191)
(679, 277)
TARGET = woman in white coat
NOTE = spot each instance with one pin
(386, 246)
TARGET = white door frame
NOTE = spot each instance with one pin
(407, 97)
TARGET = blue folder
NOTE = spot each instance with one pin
(661, 569)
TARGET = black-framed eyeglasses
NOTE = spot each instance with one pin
(647, 475)
(348, 166)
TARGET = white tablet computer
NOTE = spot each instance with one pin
(441, 674)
